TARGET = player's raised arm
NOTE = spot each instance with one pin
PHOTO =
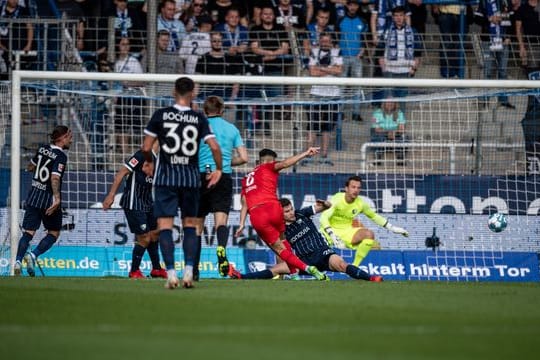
(109, 199)
(296, 158)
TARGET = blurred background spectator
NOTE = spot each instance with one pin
(324, 61)
(15, 37)
(388, 125)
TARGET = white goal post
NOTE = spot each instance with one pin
(425, 97)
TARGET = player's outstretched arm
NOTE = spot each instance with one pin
(396, 229)
(296, 158)
(243, 216)
(109, 199)
(321, 205)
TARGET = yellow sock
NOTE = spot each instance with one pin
(362, 250)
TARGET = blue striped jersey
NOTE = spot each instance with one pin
(138, 186)
(49, 160)
(179, 131)
(228, 138)
(303, 234)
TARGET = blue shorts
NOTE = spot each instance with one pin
(168, 199)
(34, 216)
(140, 222)
(319, 258)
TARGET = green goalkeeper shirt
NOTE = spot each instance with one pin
(342, 213)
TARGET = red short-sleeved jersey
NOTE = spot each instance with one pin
(260, 185)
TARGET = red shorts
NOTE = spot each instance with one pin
(267, 220)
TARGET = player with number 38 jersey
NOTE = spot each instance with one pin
(179, 131)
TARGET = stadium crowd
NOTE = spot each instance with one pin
(278, 41)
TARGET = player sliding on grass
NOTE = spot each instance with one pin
(138, 208)
(309, 245)
(43, 201)
(337, 222)
(259, 198)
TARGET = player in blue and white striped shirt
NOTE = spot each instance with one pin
(137, 203)
(309, 245)
(43, 201)
(179, 130)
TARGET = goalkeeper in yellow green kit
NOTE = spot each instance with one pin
(337, 222)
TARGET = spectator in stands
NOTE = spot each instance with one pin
(196, 9)
(448, 18)
(493, 16)
(166, 21)
(128, 23)
(399, 50)
(418, 15)
(289, 16)
(166, 61)
(217, 62)
(14, 37)
(315, 29)
(269, 42)
(196, 44)
(129, 110)
(351, 42)
(218, 10)
(528, 34)
(324, 61)
(235, 35)
(381, 16)
(388, 125)
(327, 5)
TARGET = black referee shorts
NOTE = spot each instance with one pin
(218, 198)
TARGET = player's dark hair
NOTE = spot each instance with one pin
(267, 152)
(184, 86)
(213, 105)
(285, 202)
(353, 178)
(58, 132)
(398, 9)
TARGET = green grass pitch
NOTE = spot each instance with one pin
(76, 318)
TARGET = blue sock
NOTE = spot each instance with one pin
(190, 245)
(45, 244)
(197, 254)
(222, 233)
(356, 273)
(136, 257)
(264, 274)
(167, 248)
(24, 242)
(154, 254)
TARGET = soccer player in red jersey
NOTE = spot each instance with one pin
(259, 199)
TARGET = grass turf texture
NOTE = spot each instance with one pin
(76, 318)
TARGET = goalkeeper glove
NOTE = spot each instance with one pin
(336, 240)
(396, 229)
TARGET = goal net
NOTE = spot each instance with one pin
(437, 157)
